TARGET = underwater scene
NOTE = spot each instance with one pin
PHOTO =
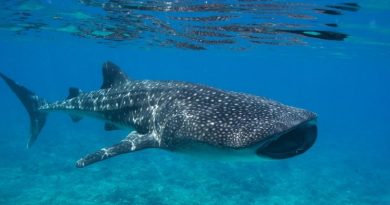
(280, 102)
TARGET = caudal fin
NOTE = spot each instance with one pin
(31, 102)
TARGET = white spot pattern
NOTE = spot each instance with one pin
(177, 112)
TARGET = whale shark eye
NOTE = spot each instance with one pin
(292, 143)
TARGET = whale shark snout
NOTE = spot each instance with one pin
(293, 142)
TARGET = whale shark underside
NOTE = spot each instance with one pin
(178, 116)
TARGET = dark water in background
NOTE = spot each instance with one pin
(345, 82)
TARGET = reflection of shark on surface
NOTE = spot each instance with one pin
(179, 116)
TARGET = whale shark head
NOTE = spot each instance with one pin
(292, 142)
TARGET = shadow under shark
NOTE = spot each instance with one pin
(178, 116)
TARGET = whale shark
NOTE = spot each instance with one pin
(179, 117)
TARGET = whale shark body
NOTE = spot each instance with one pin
(178, 116)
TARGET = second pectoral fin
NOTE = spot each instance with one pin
(110, 127)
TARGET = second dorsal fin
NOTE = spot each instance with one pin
(112, 75)
(74, 92)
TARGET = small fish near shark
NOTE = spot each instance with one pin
(178, 116)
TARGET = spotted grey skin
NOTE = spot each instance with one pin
(172, 115)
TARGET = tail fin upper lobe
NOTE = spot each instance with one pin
(31, 102)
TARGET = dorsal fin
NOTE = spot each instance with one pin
(113, 75)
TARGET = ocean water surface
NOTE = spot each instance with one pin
(330, 57)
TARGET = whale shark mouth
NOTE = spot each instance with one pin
(291, 143)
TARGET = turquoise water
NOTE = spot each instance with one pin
(51, 45)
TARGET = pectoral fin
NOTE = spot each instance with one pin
(133, 142)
